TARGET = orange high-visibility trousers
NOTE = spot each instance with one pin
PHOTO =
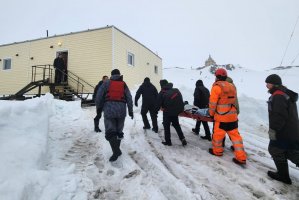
(236, 139)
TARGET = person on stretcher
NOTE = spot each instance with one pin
(194, 110)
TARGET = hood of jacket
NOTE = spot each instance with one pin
(199, 83)
(293, 95)
(168, 86)
(116, 77)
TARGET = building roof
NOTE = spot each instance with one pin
(72, 33)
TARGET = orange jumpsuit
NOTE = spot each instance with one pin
(222, 108)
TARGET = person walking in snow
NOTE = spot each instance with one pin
(222, 108)
(201, 100)
(171, 101)
(149, 96)
(99, 112)
(230, 80)
(163, 82)
(112, 97)
(283, 128)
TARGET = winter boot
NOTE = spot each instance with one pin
(196, 132)
(115, 149)
(167, 143)
(238, 162)
(155, 129)
(96, 126)
(207, 137)
(212, 152)
(282, 173)
(184, 142)
(118, 145)
(97, 129)
(146, 127)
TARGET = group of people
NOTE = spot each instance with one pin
(112, 96)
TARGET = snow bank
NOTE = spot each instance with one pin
(23, 145)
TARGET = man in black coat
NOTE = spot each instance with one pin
(59, 68)
(201, 100)
(149, 96)
(171, 101)
(283, 128)
(99, 111)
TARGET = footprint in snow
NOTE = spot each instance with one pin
(134, 173)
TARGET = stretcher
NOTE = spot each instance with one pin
(196, 116)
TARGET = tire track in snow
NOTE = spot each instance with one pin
(190, 181)
(158, 171)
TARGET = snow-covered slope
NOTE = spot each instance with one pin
(76, 164)
(251, 83)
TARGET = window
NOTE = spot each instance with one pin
(156, 69)
(131, 59)
(6, 63)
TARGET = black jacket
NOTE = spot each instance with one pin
(96, 89)
(201, 96)
(149, 95)
(170, 100)
(59, 63)
(283, 117)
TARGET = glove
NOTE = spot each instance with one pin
(136, 104)
(131, 115)
(272, 134)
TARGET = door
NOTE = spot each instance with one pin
(65, 59)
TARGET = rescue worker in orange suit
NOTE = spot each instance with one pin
(113, 97)
(222, 109)
(230, 80)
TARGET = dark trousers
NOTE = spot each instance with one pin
(280, 155)
(97, 118)
(174, 120)
(205, 125)
(153, 114)
(58, 76)
(114, 127)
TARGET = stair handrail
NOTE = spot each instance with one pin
(47, 77)
(47, 72)
(77, 80)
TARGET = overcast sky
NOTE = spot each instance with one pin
(251, 33)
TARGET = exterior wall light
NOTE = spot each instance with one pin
(51, 46)
(31, 58)
(17, 54)
(59, 44)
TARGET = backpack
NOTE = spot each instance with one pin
(173, 102)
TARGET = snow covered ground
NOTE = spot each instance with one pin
(48, 150)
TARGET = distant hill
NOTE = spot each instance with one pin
(249, 82)
(213, 68)
(284, 67)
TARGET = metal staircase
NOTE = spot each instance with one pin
(73, 88)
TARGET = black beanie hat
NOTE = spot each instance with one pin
(115, 72)
(163, 82)
(273, 79)
(199, 83)
(146, 80)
